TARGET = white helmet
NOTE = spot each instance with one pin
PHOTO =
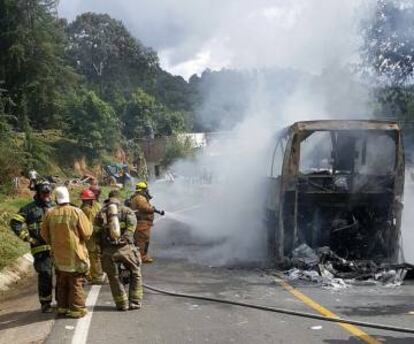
(62, 195)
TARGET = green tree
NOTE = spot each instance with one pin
(37, 153)
(11, 156)
(169, 123)
(389, 42)
(388, 58)
(94, 123)
(139, 114)
(110, 58)
(388, 55)
(32, 64)
(177, 149)
(145, 117)
(173, 91)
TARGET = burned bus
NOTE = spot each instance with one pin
(337, 183)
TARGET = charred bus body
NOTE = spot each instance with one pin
(337, 184)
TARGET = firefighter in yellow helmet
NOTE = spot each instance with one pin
(66, 228)
(140, 203)
(116, 224)
(91, 207)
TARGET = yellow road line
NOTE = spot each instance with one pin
(326, 312)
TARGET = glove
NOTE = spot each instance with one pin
(162, 212)
(122, 241)
(32, 241)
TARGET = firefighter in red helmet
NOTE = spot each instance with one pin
(91, 207)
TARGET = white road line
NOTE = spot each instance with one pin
(82, 326)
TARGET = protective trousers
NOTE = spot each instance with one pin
(96, 273)
(142, 237)
(44, 267)
(129, 256)
(70, 294)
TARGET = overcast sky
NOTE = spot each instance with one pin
(191, 35)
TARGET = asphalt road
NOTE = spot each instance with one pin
(165, 319)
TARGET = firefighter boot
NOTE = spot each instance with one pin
(76, 313)
(147, 259)
(46, 308)
(135, 305)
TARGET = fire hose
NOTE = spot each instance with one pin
(282, 311)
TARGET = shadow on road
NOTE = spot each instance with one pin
(19, 319)
(108, 308)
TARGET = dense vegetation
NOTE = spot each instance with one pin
(388, 54)
(90, 79)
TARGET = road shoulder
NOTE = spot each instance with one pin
(20, 318)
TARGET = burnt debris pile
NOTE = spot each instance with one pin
(324, 266)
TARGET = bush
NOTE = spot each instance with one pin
(11, 247)
(94, 123)
(11, 157)
(177, 149)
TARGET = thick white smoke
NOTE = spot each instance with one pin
(226, 182)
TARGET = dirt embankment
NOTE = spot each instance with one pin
(81, 168)
(14, 272)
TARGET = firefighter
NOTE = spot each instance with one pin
(26, 225)
(140, 203)
(117, 224)
(66, 228)
(91, 208)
